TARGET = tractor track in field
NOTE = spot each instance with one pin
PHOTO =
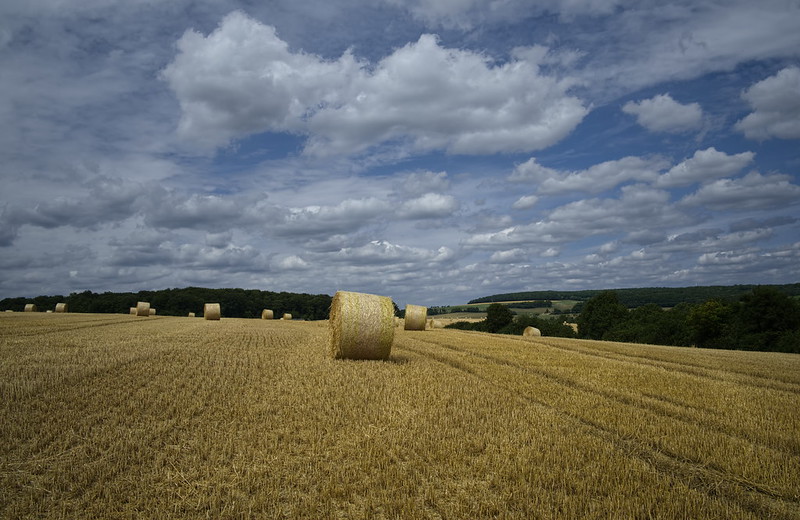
(745, 378)
(81, 326)
(658, 405)
(695, 474)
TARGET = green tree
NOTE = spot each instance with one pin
(498, 316)
(707, 324)
(600, 314)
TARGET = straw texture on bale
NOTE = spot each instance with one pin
(416, 317)
(61, 307)
(267, 314)
(191, 315)
(531, 331)
(361, 326)
(143, 308)
(152, 311)
(133, 311)
(30, 307)
(211, 311)
(287, 316)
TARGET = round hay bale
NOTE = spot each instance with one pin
(143, 308)
(191, 315)
(211, 311)
(287, 316)
(61, 307)
(397, 321)
(152, 311)
(267, 314)
(531, 331)
(133, 311)
(48, 311)
(30, 307)
(438, 324)
(416, 317)
(361, 326)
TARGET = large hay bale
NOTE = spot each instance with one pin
(361, 326)
(416, 317)
(133, 311)
(287, 316)
(30, 307)
(152, 311)
(211, 311)
(267, 314)
(61, 307)
(143, 308)
(191, 315)
(531, 331)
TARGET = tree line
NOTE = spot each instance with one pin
(235, 303)
(764, 319)
(632, 298)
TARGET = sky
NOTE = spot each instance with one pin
(433, 151)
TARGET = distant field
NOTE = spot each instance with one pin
(113, 416)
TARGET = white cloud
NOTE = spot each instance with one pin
(704, 166)
(595, 179)
(419, 183)
(384, 252)
(430, 205)
(510, 256)
(603, 176)
(243, 79)
(776, 101)
(290, 263)
(753, 191)
(525, 202)
(661, 113)
(346, 217)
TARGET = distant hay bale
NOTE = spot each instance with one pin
(397, 321)
(143, 308)
(191, 315)
(531, 331)
(48, 311)
(211, 311)
(30, 307)
(361, 326)
(437, 324)
(152, 311)
(416, 317)
(287, 316)
(133, 311)
(61, 307)
(267, 314)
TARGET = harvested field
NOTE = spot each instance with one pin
(111, 416)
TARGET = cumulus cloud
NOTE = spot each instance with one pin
(243, 79)
(430, 205)
(776, 104)
(595, 179)
(419, 183)
(639, 206)
(384, 252)
(705, 165)
(525, 202)
(510, 256)
(753, 191)
(290, 263)
(346, 217)
(661, 113)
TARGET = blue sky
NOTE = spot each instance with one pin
(432, 151)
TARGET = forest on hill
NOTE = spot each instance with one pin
(235, 303)
(631, 298)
